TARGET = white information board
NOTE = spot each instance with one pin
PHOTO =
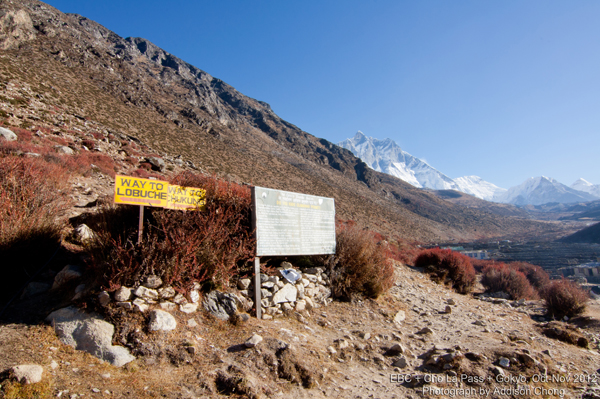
(290, 223)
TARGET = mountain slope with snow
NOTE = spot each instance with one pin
(477, 187)
(542, 190)
(586, 186)
(386, 156)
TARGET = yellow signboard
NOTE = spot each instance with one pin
(186, 198)
(136, 191)
(158, 193)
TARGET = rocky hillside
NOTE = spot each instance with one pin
(64, 73)
(418, 339)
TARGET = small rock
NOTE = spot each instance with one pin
(168, 306)
(244, 283)
(450, 301)
(104, 298)
(167, 292)
(253, 341)
(144, 292)
(395, 350)
(504, 362)
(140, 305)
(63, 149)
(401, 363)
(158, 164)
(448, 309)
(400, 317)
(179, 299)
(192, 323)
(188, 308)
(194, 296)
(221, 305)
(122, 294)
(425, 330)
(300, 305)
(161, 321)
(331, 350)
(27, 373)
(83, 234)
(152, 281)
(342, 343)
(68, 273)
(286, 294)
(126, 305)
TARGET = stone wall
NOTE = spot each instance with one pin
(278, 294)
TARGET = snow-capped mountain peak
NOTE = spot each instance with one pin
(386, 156)
(542, 190)
(586, 186)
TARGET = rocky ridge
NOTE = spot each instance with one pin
(65, 72)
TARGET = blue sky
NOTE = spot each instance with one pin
(503, 89)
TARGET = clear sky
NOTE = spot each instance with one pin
(502, 89)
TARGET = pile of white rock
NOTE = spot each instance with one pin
(151, 292)
(278, 294)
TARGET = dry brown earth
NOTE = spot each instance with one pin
(296, 358)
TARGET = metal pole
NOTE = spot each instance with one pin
(257, 287)
(141, 225)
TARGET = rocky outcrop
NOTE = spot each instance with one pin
(88, 333)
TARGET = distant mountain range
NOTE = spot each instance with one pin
(386, 156)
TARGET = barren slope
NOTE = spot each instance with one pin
(71, 72)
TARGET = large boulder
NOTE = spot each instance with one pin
(88, 333)
(220, 305)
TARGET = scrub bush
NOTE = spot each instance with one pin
(500, 277)
(565, 298)
(359, 266)
(537, 277)
(32, 198)
(448, 267)
(181, 247)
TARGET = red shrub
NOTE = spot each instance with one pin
(449, 267)
(402, 251)
(359, 266)
(211, 246)
(31, 196)
(500, 277)
(537, 276)
(90, 144)
(565, 298)
(86, 162)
